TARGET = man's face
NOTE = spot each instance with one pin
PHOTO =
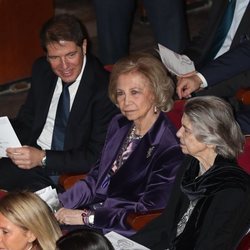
(66, 59)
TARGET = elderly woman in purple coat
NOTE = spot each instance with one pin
(141, 154)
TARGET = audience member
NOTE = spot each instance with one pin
(209, 207)
(83, 239)
(26, 222)
(114, 21)
(141, 155)
(61, 133)
(227, 27)
(232, 63)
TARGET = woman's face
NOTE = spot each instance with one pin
(13, 237)
(189, 144)
(134, 97)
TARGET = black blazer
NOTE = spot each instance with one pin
(220, 218)
(201, 45)
(89, 117)
(234, 62)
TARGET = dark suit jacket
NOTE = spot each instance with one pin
(90, 115)
(143, 182)
(234, 62)
(201, 45)
(220, 218)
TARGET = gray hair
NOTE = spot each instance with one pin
(214, 123)
(150, 67)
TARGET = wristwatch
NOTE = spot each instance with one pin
(88, 217)
(91, 218)
(43, 161)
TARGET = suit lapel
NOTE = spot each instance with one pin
(84, 93)
(82, 99)
(243, 31)
(139, 160)
(46, 91)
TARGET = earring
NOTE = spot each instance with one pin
(155, 110)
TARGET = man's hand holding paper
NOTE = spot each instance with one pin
(25, 157)
(177, 64)
(184, 69)
(8, 137)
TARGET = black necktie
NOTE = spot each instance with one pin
(61, 120)
(222, 29)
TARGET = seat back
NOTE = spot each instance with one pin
(244, 243)
(176, 113)
(244, 158)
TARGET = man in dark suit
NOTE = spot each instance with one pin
(114, 20)
(233, 63)
(201, 48)
(89, 110)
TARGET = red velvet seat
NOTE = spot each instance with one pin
(244, 243)
(244, 158)
(176, 113)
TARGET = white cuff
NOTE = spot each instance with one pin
(203, 80)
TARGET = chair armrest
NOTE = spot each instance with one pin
(243, 95)
(68, 180)
(139, 220)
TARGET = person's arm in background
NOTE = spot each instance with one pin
(229, 64)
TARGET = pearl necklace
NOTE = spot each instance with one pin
(133, 135)
(130, 137)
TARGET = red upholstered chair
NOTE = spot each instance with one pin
(176, 113)
(244, 243)
(243, 96)
(2, 193)
(244, 158)
(108, 67)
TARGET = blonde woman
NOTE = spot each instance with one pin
(27, 223)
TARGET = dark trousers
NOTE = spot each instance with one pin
(114, 20)
(13, 178)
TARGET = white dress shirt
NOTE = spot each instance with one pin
(239, 11)
(45, 138)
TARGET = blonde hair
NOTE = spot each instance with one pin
(150, 67)
(30, 212)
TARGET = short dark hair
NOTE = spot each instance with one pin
(87, 239)
(63, 27)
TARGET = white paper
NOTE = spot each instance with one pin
(120, 242)
(49, 195)
(8, 137)
(174, 62)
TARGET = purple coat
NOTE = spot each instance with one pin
(143, 182)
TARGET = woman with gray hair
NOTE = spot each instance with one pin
(141, 155)
(210, 204)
